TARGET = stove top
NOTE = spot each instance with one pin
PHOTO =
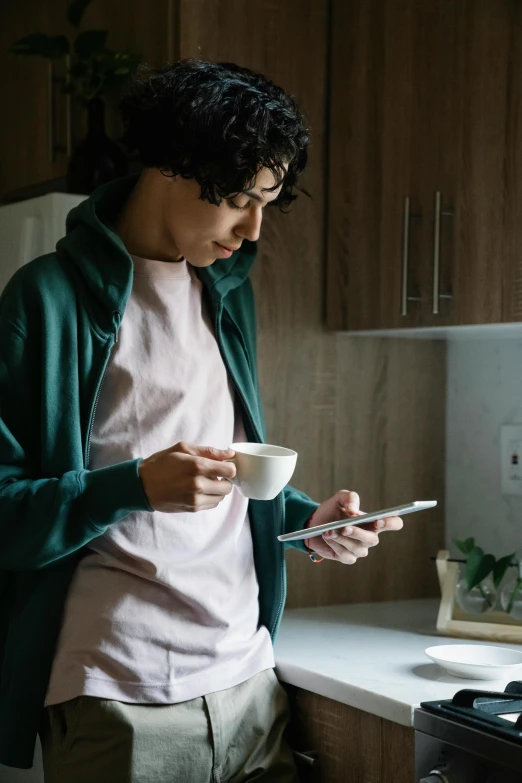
(499, 713)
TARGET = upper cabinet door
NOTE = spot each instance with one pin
(424, 218)
(488, 170)
(511, 238)
(371, 100)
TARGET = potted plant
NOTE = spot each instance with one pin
(481, 577)
(92, 71)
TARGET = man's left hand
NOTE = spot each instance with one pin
(347, 544)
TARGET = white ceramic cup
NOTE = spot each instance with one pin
(262, 471)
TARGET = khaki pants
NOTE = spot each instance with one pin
(230, 736)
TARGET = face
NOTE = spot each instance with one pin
(202, 232)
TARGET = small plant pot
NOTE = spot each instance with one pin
(97, 159)
(511, 595)
(480, 599)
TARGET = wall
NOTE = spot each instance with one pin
(484, 391)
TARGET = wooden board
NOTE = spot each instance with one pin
(452, 621)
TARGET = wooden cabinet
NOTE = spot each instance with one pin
(371, 94)
(488, 226)
(351, 745)
(424, 223)
(33, 134)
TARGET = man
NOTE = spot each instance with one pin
(141, 592)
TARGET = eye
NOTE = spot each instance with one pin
(233, 205)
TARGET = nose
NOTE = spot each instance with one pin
(250, 225)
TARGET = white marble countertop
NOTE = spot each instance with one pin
(370, 656)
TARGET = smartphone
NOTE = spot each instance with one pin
(398, 511)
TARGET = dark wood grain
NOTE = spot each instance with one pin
(511, 257)
(372, 61)
(140, 26)
(24, 131)
(484, 38)
(390, 448)
(425, 98)
(351, 745)
(397, 753)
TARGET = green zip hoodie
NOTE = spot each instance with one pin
(59, 317)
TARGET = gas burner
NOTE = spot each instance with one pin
(498, 713)
(476, 737)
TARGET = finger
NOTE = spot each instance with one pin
(392, 523)
(342, 553)
(356, 547)
(209, 452)
(382, 525)
(366, 537)
(349, 502)
(206, 452)
(213, 469)
(212, 487)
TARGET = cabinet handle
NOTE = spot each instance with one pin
(405, 257)
(50, 112)
(439, 214)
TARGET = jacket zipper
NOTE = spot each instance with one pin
(254, 428)
(97, 395)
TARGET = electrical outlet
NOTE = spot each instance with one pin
(511, 459)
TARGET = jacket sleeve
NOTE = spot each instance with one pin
(298, 508)
(45, 519)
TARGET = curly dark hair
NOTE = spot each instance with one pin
(217, 122)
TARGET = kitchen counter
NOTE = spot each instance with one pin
(370, 656)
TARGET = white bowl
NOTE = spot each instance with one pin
(477, 661)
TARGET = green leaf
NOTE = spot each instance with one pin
(52, 46)
(465, 546)
(76, 11)
(90, 42)
(478, 566)
(117, 67)
(500, 568)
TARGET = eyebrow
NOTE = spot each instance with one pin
(255, 196)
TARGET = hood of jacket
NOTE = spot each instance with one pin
(102, 261)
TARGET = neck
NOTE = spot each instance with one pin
(139, 224)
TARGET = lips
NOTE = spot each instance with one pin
(226, 247)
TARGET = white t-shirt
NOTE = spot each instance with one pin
(164, 607)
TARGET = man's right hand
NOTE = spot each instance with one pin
(186, 478)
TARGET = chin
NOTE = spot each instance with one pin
(201, 262)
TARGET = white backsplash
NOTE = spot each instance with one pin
(484, 391)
